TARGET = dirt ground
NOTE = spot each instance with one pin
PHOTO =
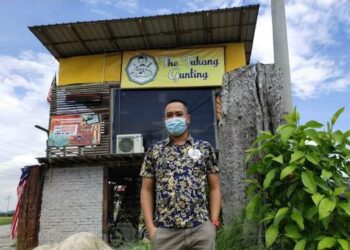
(6, 243)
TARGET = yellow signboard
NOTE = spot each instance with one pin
(173, 68)
(90, 69)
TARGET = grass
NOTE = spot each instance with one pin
(233, 236)
(136, 245)
(236, 236)
(5, 220)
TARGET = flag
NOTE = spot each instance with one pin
(53, 85)
(20, 189)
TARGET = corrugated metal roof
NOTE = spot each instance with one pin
(153, 32)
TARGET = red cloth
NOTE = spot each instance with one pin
(20, 189)
(53, 84)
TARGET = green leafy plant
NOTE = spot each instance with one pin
(299, 185)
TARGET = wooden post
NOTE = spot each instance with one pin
(28, 221)
(105, 205)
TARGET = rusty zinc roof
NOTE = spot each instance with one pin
(152, 32)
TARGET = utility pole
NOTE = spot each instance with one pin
(280, 48)
(8, 202)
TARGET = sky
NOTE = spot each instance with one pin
(318, 40)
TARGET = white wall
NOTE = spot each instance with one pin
(72, 202)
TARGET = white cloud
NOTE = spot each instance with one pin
(130, 6)
(313, 70)
(197, 5)
(24, 85)
(263, 44)
(311, 26)
(160, 11)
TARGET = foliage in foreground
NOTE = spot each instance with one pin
(136, 245)
(229, 237)
(299, 190)
(234, 237)
(5, 220)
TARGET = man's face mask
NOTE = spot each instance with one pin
(176, 125)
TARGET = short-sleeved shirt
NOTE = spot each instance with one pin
(180, 173)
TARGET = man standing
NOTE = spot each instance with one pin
(177, 174)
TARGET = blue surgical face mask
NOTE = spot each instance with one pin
(176, 125)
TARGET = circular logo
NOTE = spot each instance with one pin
(194, 154)
(142, 69)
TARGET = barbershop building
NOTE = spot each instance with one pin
(106, 109)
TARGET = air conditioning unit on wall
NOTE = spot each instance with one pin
(130, 144)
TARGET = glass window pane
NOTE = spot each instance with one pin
(142, 111)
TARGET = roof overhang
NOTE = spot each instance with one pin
(154, 32)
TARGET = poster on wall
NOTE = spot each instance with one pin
(203, 67)
(74, 130)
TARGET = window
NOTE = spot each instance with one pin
(142, 111)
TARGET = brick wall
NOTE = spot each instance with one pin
(71, 203)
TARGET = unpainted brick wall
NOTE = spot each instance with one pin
(71, 203)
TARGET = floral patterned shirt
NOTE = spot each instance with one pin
(180, 175)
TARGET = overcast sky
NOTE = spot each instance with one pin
(318, 34)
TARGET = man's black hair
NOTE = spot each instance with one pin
(176, 100)
(141, 57)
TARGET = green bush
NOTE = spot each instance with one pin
(299, 190)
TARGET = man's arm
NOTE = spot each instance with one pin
(214, 196)
(147, 191)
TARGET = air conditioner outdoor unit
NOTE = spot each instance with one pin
(130, 144)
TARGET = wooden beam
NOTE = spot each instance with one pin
(241, 15)
(142, 29)
(49, 43)
(113, 39)
(208, 27)
(105, 204)
(175, 21)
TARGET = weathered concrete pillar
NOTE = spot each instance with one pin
(251, 102)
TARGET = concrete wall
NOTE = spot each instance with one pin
(71, 203)
(251, 102)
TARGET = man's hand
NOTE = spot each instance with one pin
(214, 196)
(147, 190)
(151, 231)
